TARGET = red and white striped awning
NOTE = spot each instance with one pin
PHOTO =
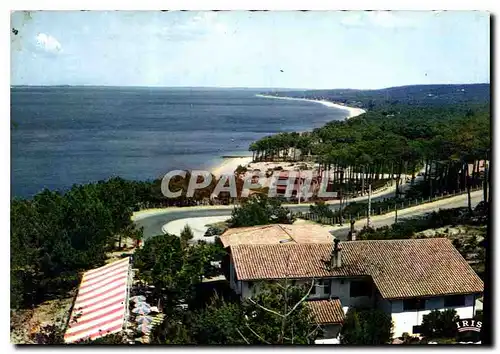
(100, 305)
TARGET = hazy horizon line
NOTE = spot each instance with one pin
(247, 88)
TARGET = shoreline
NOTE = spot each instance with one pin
(229, 164)
(352, 111)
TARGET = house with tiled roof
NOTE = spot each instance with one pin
(271, 234)
(406, 278)
(328, 314)
(275, 234)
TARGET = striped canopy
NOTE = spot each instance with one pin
(100, 305)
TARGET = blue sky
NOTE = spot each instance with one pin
(318, 49)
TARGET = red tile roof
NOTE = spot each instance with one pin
(399, 268)
(326, 311)
(276, 233)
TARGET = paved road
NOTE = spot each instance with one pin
(419, 210)
(153, 223)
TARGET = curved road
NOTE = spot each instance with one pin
(152, 221)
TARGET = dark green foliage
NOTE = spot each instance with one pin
(240, 170)
(223, 322)
(407, 339)
(175, 329)
(354, 209)
(217, 323)
(54, 236)
(407, 228)
(204, 254)
(439, 324)
(394, 139)
(215, 230)
(321, 210)
(174, 270)
(260, 210)
(263, 326)
(366, 327)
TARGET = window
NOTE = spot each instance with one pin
(325, 284)
(360, 288)
(416, 329)
(413, 304)
(454, 301)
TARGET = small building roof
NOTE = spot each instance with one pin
(275, 234)
(326, 311)
(100, 306)
(399, 268)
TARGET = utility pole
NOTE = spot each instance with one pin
(363, 181)
(340, 207)
(396, 213)
(396, 210)
(369, 204)
(300, 187)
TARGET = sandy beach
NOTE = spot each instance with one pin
(230, 164)
(351, 111)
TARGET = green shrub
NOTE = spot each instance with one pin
(366, 327)
(439, 324)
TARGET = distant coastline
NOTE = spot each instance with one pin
(230, 163)
(351, 111)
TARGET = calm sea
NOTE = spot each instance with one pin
(67, 135)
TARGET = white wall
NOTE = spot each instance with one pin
(245, 289)
(405, 320)
(331, 331)
(321, 290)
(339, 288)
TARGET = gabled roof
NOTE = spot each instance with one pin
(399, 268)
(326, 311)
(275, 234)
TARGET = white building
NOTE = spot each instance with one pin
(406, 278)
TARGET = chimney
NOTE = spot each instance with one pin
(352, 232)
(336, 258)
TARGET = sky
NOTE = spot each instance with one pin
(279, 49)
